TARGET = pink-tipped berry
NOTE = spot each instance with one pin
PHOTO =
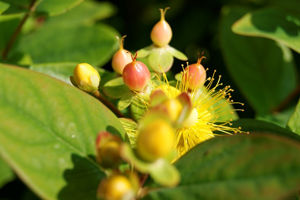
(194, 75)
(161, 33)
(121, 58)
(136, 75)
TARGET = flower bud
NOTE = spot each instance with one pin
(155, 140)
(157, 97)
(171, 107)
(136, 75)
(194, 75)
(86, 77)
(115, 187)
(161, 33)
(121, 58)
(108, 148)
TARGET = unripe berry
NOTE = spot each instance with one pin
(136, 75)
(108, 148)
(194, 75)
(155, 140)
(115, 187)
(161, 33)
(121, 58)
(86, 77)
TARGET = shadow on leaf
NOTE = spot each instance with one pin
(82, 180)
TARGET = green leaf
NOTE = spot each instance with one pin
(53, 7)
(177, 54)
(294, 121)
(56, 7)
(125, 101)
(273, 24)
(138, 107)
(3, 6)
(252, 125)
(47, 133)
(61, 71)
(92, 44)
(8, 24)
(263, 70)
(237, 167)
(281, 119)
(116, 88)
(86, 13)
(160, 170)
(292, 6)
(160, 60)
(131, 128)
(142, 53)
(6, 174)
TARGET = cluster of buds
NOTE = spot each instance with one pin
(118, 185)
(156, 139)
(135, 73)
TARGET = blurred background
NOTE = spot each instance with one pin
(260, 60)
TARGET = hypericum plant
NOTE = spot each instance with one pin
(137, 130)
(169, 121)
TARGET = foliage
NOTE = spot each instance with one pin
(48, 127)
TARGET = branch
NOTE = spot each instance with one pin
(108, 104)
(14, 36)
(295, 93)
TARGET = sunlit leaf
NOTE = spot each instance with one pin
(48, 131)
(263, 69)
(271, 23)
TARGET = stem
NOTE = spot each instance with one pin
(108, 104)
(143, 180)
(142, 191)
(121, 40)
(287, 100)
(14, 36)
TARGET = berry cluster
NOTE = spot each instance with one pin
(165, 120)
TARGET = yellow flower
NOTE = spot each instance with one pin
(209, 105)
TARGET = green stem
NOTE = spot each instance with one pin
(14, 36)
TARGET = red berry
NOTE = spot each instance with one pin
(136, 75)
(194, 75)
